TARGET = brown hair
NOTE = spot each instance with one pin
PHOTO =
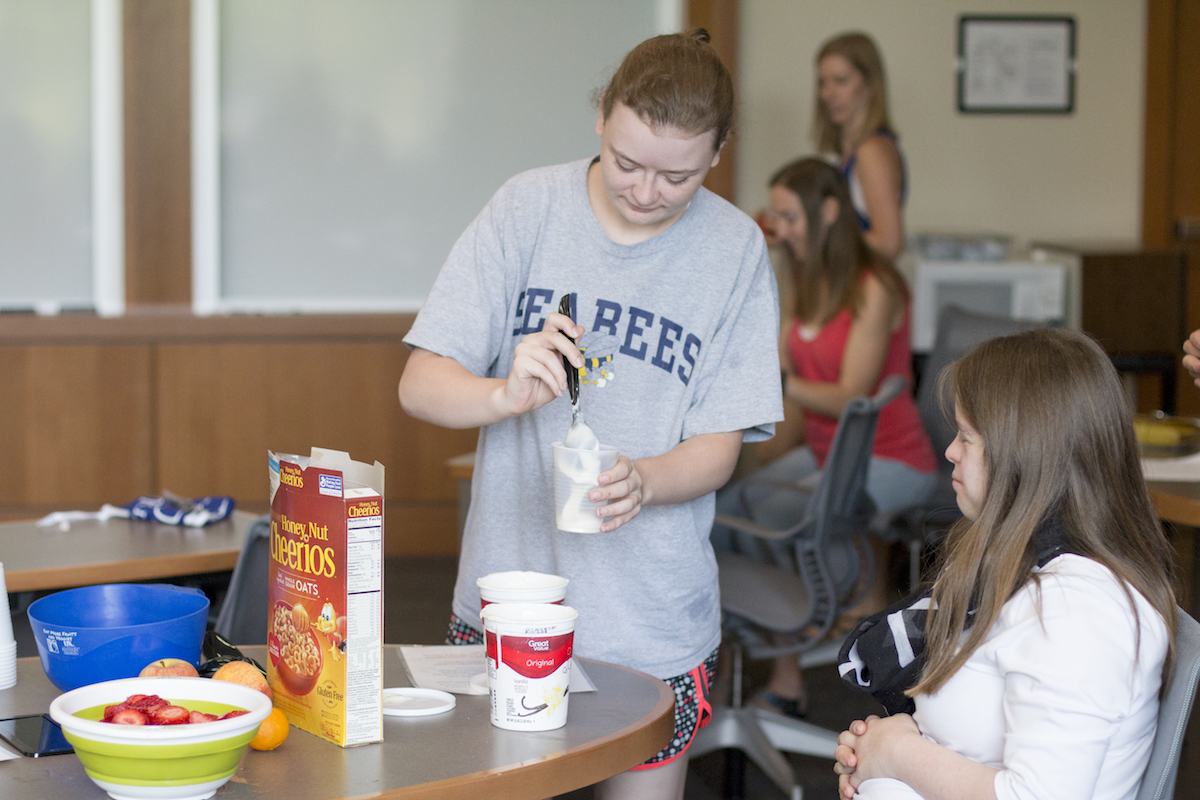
(674, 81)
(1058, 441)
(836, 254)
(860, 50)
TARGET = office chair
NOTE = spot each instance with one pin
(1173, 712)
(243, 615)
(788, 602)
(917, 525)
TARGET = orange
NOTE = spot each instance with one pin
(272, 731)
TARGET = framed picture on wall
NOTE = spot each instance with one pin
(1016, 64)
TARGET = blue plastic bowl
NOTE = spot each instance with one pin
(101, 633)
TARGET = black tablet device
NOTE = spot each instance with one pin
(35, 735)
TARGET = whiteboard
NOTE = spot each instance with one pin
(341, 146)
(61, 217)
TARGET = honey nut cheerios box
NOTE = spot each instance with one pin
(325, 595)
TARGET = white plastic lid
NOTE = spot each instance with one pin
(410, 701)
(520, 580)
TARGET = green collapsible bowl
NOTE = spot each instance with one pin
(160, 762)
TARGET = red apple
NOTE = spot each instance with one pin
(246, 674)
(169, 668)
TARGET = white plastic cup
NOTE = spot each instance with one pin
(521, 587)
(529, 649)
(8, 665)
(6, 628)
(576, 473)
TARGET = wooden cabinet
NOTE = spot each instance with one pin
(103, 410)
(1134, 304)
(1133, 301)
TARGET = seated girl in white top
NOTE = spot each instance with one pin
(1052, 617)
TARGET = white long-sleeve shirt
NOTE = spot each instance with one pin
(1060, 705)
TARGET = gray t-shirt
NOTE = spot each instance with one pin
(681, 340)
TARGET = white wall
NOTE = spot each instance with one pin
(1046, 177)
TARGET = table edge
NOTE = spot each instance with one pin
(642, 739)
(126, 570)
(1176, 508)
(121, 571)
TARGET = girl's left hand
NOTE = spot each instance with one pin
(622, 487)
(876, 749)
(845, 758)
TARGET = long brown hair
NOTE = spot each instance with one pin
(676, 80)
(836, 254)
(1058, 441)
(860, 50)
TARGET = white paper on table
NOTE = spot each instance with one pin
(450, 667)
(6, 754)
(1186, 468)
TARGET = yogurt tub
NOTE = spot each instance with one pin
(529, 648)
(521, 587)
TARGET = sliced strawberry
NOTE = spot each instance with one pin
(109, 711)
(235, 713)
(129, 716)
(169, 715)
(146, 702)
(200, 716)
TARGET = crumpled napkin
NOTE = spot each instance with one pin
(172, 510)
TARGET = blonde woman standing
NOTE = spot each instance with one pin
(851, 123)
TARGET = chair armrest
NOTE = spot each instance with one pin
(753, 528)
(806, 486)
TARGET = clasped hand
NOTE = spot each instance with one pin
(1191, 361)
(868, 749)
(537, 377)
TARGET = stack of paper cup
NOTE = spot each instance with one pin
(8, 644)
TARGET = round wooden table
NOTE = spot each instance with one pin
(451, 756)
(1177, 501)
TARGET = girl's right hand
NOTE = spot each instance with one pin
(537, 375)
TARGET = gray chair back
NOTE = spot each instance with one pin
(1159, 781)
(958, 331)
(840, 508)
(243, 615)
(827, 559)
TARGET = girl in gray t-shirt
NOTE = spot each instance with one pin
(674, 301)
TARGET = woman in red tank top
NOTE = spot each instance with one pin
(845, 328)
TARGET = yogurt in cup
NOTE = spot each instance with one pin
(576, 473)
(521, 587)
(529, 647)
